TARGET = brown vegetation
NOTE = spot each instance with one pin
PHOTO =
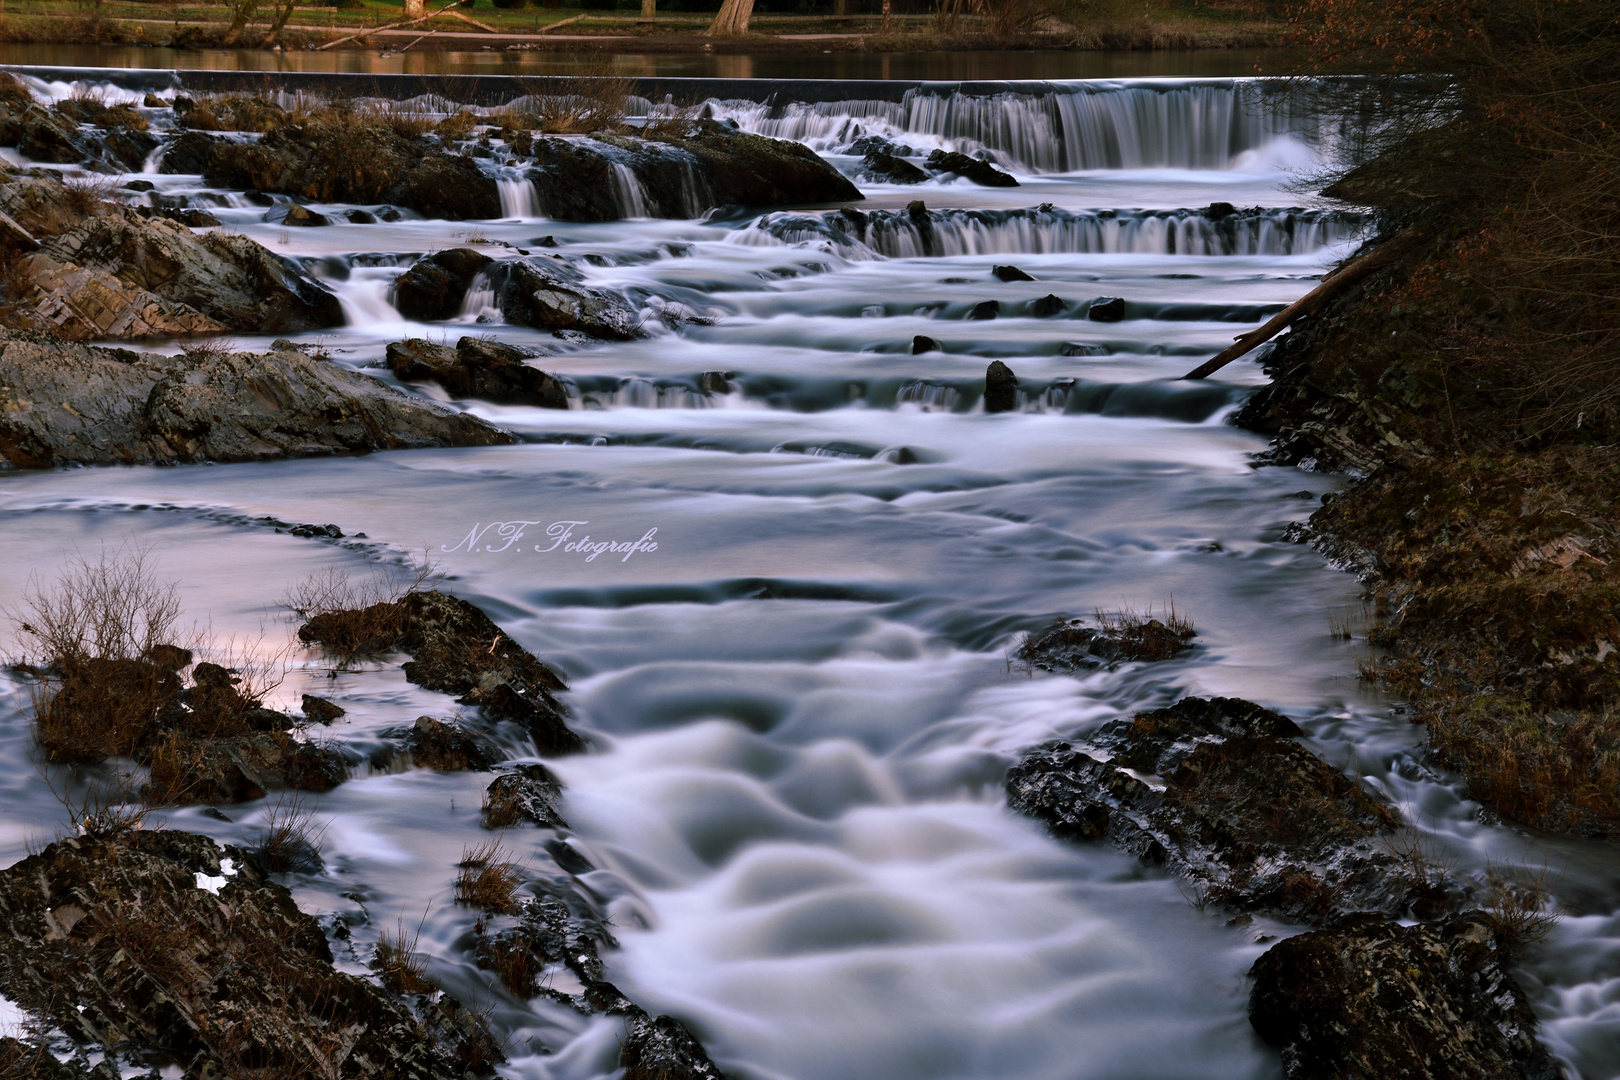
(353, 616)
(291, 838)
(397, 962)
(488, 880)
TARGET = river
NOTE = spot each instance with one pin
(801, 704)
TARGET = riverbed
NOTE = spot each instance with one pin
(802, 701)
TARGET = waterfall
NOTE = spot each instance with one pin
(479, 303)
(627, 186)
(518, 199)
(1045, 231)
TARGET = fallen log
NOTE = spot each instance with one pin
(368, 31)
(1337, 281)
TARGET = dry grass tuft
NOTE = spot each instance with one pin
(580, 104)
(1141, 636)
(1518, 904)
(488, 881)
(291, 839)
(502, 807)
(397, 962)
(213, 347)
(456, 127)
(353, 617)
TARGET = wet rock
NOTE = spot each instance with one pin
(1377, 999)
(361, 217)
(680, 175)
(1010, 273)
(1106, 309)
(14, 236)
(1048, 306)
(716, 382)
(39, 133)
(916, 208)
(170, 947)
(119, 275)
(1000, 388)
(985, 309)
(886, 168)
(435, 286)
(236, 768)
(318, 710)
(529, 793)
(305, 217)
(1218, 210)
(980, 172)
(317, 532)
(442, 747)
(189, 216)
(139, 185)
(456, 649)
(922, 343)
(1072, 645)
(355, 163)
(1247, 815)
(187, 155)
(656, 1048)
(65, 404)
(477, 368)
(549, 295)
(1081, 348)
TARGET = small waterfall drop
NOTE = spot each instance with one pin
(518, 197)
(627, 186)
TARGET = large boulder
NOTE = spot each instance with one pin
(1377, 999)
(435, 285)
(550, 295)
(39, 133)
(680, 175)
(477, 368)
(169, 947)
(117, 274)
(66, 404)
(980, 172)
(355, 161)
(1238, 807)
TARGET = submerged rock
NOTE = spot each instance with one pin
(477, 368)
(1071, 645)
(550, 295)
(170, 948)
(456, 649)
(980, 172)
(435, 285)
(1249, 816)
(66, 404)
(1000, 388)
(1377, 999)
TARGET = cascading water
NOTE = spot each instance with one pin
(518, 197)
(801, 705)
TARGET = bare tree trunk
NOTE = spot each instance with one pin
(885, 14)
(840, 8)
(242, 14)
(414, 9)
(732, 21)
(649, 10)
(284, 10)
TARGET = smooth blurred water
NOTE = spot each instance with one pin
(801, 704)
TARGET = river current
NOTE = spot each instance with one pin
(801, 703)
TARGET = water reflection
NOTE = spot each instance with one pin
(946, 66)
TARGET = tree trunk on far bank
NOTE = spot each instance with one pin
(732, 21)
(415, 9)
(649, 10)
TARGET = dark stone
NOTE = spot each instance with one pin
(890, 169)
(1010, 273)
(311, 532)
(916, 208)
(259, 198)
(434, 287)
(1106, 309)
(188, 216)
(529, 793)
(38, 133)
(549, 295)
(389, 214)
(980, 172)
(443, 747)
(1249, 816)
(1428, 1002)
(139, 185)
(1075, 348)
(476, 368)
(716, 382)
(922, 343)
(304, 216)
(661, 1048)
(361, 217)
(319, 710)
(1218, 210)
(1047, 306)
(1000, 388)
(114, 941)
(985, 309)
(545, 241)
(1072, 646)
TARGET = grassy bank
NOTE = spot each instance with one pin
(1475, 386)
(1079, 24)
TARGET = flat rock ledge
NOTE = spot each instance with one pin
(69, 404)
(163, 948)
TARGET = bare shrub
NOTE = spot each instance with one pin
(1141, 636)
(397, 962)
(581, 104)
(356, 616)
(1518, 904)
(107, 808)
(405, 119)
(213, 347)
(456, 127)
(488, 881)
(291, 838)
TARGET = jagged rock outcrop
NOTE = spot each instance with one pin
(1239, 808)
(680, 176)
(476, 368)
(435, 285)
(979, 172)
(1377, 999)
(528, 793)
(355, 162)
(889, 169)
(456, 649)
(68, 404)
(550, 295)
(163, 944)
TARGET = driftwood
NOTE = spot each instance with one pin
(408, 22)
(563, 22)
(1338, 281)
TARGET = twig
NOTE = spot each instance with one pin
(389, 26)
